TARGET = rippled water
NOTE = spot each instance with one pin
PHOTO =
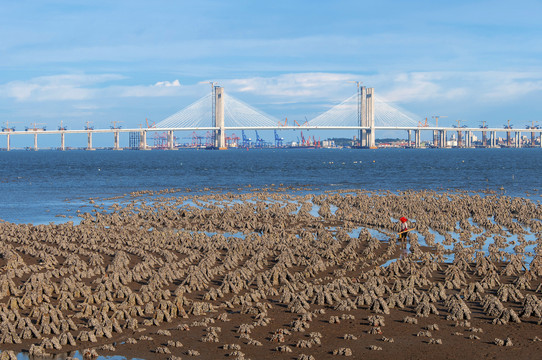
(36, 186)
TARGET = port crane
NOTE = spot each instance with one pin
(278, 139)
(259, 141)
(246, 140)
(232, 141)
(304, 142)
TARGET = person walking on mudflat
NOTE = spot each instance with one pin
(404, 229)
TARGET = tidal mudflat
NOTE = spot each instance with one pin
(278, 273)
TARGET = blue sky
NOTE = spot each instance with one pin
(103, 61)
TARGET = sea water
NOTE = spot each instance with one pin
(37, 186)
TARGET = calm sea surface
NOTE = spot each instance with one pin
(37, 186)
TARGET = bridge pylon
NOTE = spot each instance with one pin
(220, 141)
(367, 117)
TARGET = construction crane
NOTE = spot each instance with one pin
(35, 127)
(306, 123)
(62, 127)
(7, 128)
(532, 127)
(114, 125)
(459, 133)
(437, 117)
(278, 139)
(508, 133)
(420, 124)
(484, 137)
(151, 125)
(246, 140)
(436, 139)
(285, 123)
(88, 127)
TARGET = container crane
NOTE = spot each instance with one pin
(246, 140)
(278, 139)
(259, 141)
(303, 141)
(234, 140)
(196, 140)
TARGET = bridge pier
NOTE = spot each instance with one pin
(89, 141)
(143, 141)
(417, 139)
(492, 139)
(170, 140)
(116, 135)
(35, 141)
(409, 137)
(62, 141)
(443, 140)
(518, 139)
(8, 145)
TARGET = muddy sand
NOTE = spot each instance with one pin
(278, 274)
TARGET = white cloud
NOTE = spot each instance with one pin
(290, 88)
(483, 86)
(83, 87)
(174, 83)
(57, 87)
(418, 87)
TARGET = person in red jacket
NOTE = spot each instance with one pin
(404, 228)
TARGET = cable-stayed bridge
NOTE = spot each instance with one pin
(364, 112)
(240, 115)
